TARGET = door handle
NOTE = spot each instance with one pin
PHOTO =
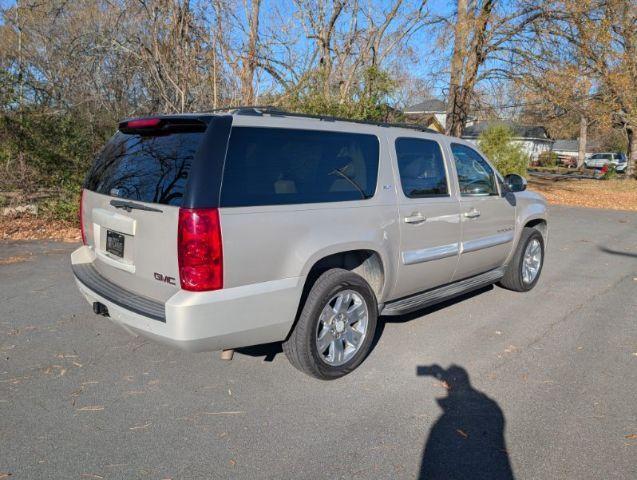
(473, 213)
(415, 217)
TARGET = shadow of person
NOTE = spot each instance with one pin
(467, 440)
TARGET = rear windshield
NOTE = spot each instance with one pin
(145, 168)
(276, 166)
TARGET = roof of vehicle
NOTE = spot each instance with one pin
(268, 115)
(259, 111)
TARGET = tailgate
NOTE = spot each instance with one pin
(134, 249)
(131, 201)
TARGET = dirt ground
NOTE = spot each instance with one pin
(37, 228)
(612, 194)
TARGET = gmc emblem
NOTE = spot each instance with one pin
(164, 278)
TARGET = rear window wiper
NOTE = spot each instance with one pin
(130, 206)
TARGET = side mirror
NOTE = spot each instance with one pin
(515, 183)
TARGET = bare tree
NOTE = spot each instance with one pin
(484, 36)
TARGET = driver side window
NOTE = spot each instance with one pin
(475, 175)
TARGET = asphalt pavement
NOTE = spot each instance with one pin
(540, 385)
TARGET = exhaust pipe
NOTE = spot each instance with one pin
(100, 309)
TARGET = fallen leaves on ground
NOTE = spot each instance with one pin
(29, 227)
(140, 426)
(16, 259)
(91, 408)
(612, 194)
(631, 436)
(223, 413)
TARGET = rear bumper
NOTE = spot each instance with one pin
(198, 321)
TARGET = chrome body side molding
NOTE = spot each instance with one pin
(440, 294)
(427, 254)
(486, 242)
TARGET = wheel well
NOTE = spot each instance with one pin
(366, 263)
(539, 224)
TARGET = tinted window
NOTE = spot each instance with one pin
(144, 168)
(475, 175)
(421, 168)
(274, 166)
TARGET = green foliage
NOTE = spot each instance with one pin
(548, 159)
(40, 151)
(58, 148)
(64, 206)
(496, 143)
(610, 173)
(367, 101)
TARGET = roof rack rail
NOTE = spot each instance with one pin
(258, 110)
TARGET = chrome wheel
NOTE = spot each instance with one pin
(532, 261)
(342, 327)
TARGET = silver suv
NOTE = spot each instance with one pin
(600, 160)
(218, 231)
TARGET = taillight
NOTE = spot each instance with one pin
(82, 217)
(199, 249)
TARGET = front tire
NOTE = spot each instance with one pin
(336, 326)
(525, 268)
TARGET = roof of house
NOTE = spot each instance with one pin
(566, 145)
(536, 132)
(592, 146)
(431, 105)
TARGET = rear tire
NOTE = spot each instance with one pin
(330, 338)
(522, 275)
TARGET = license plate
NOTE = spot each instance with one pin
(115, 243)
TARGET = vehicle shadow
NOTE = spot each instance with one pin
(467, 440)
(617, 252)
(267, 350)
(270, 350)
(434, 308)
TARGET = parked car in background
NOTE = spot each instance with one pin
(211, 232)
(600, 160)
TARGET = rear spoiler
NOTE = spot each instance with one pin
(164, 124)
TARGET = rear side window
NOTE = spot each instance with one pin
(146, 168)
(275, 166)
(421, 168)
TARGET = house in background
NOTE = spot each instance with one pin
(534, 139)
(431, 113)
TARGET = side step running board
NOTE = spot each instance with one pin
(440, 294)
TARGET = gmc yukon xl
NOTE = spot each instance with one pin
(229, 229)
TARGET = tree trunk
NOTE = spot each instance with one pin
(632, 151)
(583, 132)
(453, 126)
(250, 61)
